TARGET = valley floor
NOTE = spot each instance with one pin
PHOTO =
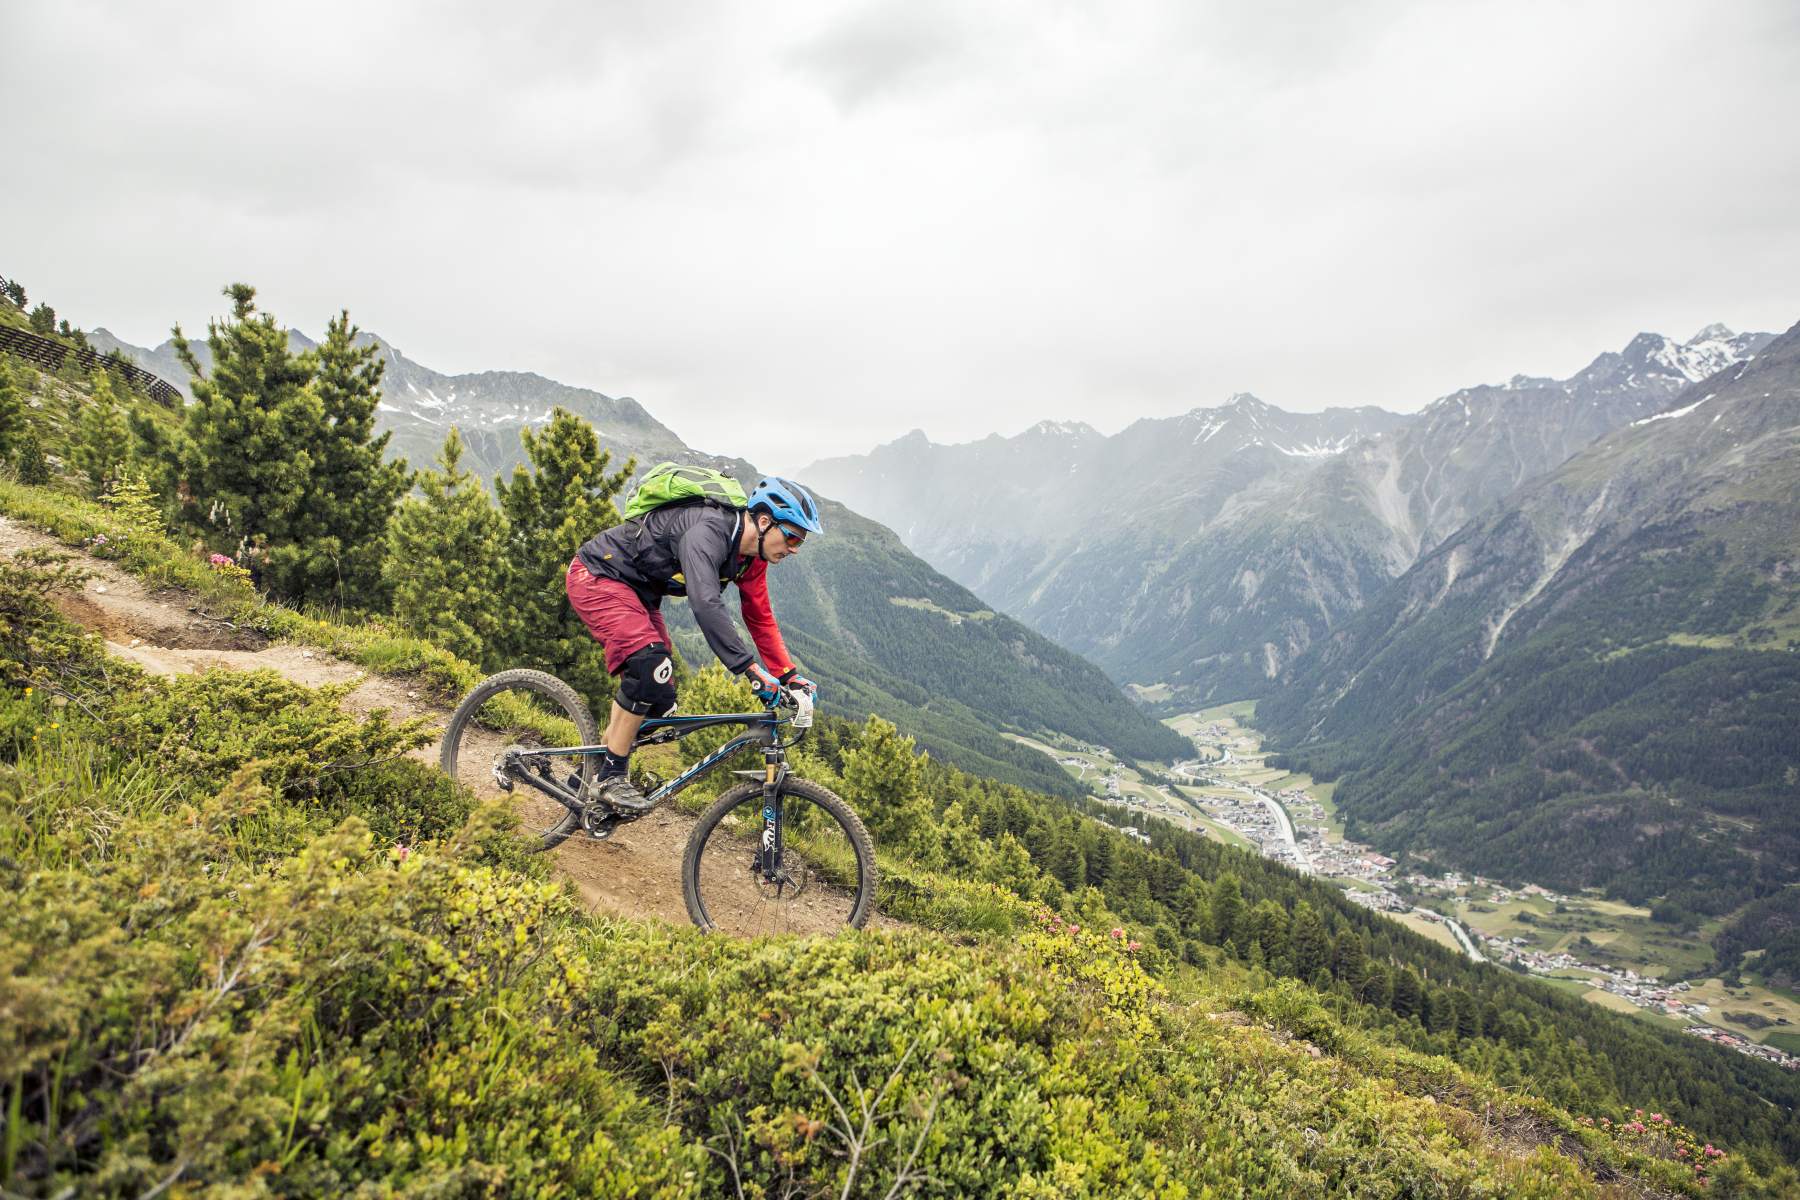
(1612, 954)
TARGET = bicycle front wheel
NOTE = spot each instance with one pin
(517, 711)
(824, 881)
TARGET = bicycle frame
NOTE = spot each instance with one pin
(764, 730)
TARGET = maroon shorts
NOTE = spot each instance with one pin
(614, 615)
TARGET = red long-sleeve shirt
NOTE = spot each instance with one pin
(759, 617)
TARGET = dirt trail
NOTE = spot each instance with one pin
(636, 873)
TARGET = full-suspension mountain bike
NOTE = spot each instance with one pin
(772, 854)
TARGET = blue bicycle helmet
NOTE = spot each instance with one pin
(786, 501)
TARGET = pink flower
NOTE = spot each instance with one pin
(1133, 947)
(1074, 929)
(401, 851)
(1117, 932)
(1654, 1117)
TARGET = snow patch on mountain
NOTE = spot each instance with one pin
(1675, 412)
(1324, 449)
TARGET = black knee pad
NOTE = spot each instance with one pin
(647, 682)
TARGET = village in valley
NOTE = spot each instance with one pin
(1610, 952)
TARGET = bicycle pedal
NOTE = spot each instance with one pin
(602, 829)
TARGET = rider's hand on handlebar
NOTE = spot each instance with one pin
(793, 680)
(765, 685)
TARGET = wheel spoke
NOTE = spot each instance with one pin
(489, 740)
(823, 884)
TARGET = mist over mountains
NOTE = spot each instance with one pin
(1209, 551)
(1545, 628)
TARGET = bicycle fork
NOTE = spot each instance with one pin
(768, 851)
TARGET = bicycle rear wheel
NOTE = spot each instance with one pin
(827, 866)
(496, 717)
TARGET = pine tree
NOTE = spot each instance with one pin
(1308, 943)
(1194, 913)
(1065, 862)
(1102, 857)
(885, 779)
(237, 472)
(564, 499)
(100, 437)
(28, 457)
(1267, 922)
(958, 843)
(444, 553)
(351, 492)
(133, 505)
(1407, 996)
(1347, 961)
(12, 410)
(1227, 907)
(1009, 865)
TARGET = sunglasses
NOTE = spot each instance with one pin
(793, 538)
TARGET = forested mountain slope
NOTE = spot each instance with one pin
(1595, 681)
(1209, 551)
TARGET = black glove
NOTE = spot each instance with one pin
(794, 680)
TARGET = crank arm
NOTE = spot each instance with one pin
(552, 789)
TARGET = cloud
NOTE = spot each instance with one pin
(797, 229)
(880, 49)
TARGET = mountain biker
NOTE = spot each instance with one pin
(617, 582)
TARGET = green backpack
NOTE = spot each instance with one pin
(671, 484)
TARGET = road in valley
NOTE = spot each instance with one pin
(1467, 942)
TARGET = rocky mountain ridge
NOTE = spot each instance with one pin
(1592, 682)
(419, 405)
(1209, 550)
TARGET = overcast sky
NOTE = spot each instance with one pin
(793, 230)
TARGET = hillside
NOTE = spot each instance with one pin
(1594, 682)
(1217, 937)
(1236, 536)
(293, 874)
(845, 604)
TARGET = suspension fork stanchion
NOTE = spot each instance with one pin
(774, 772)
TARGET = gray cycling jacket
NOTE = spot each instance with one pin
(680, 549)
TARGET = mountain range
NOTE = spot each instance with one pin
(419, 406)
(1596, 679)
(880, 629)
(1208, 551)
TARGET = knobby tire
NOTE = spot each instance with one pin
(546, 688)
(795, 792)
